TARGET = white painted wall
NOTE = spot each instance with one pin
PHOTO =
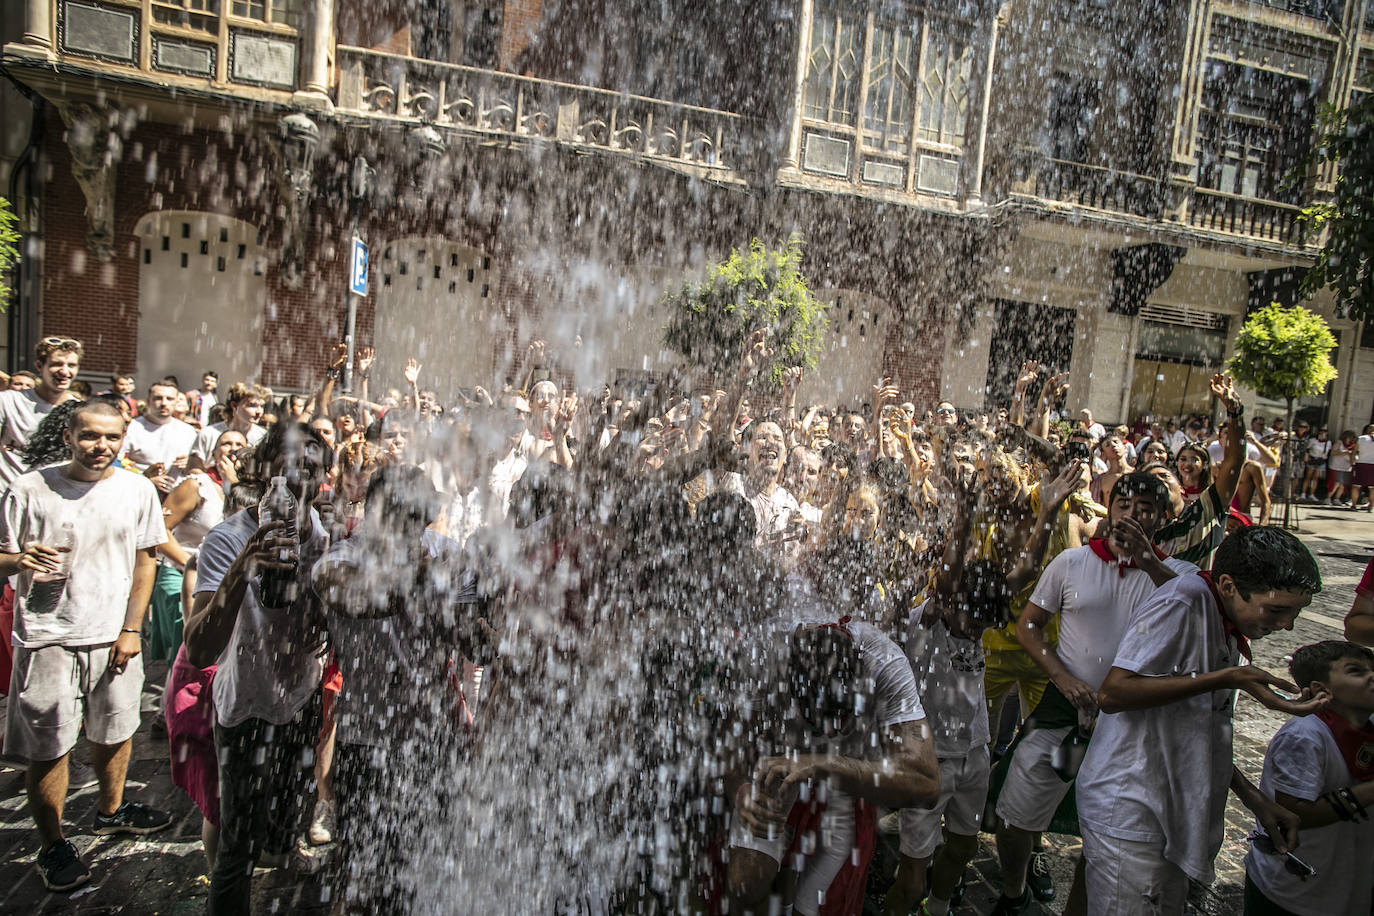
(202, 296)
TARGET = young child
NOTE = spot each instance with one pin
(1321, 767)
(1152, 789)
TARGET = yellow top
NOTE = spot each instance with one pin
(1004, 638)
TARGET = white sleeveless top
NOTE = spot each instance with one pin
(208, 513)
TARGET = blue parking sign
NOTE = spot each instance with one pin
(357, 269)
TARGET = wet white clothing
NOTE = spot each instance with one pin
(208, 513)
(112, 518)
(949, 680)
(1303, 761)
(271, 665)
(147, 443)
(1128, 786)
(20, 414)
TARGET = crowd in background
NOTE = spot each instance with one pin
(833, 603)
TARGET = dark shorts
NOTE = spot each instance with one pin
(1364, 475)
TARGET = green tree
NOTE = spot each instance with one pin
(754, 287)
(1284, 354)
(1346, 138)
(9, 252)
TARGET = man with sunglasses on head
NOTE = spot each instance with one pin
(58, 359)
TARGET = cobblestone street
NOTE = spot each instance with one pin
(165, 873)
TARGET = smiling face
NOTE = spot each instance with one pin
(1190, 466)
(1261, 613)
(1175, 489)
(861, 514)
(1155, 453)
(95, 440)
(767, 449)
(59, 371)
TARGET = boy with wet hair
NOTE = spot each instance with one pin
(1321, 767)
(1152, 788)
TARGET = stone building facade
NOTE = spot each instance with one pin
(977, 183)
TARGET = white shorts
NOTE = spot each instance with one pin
(55, 688)
(1131, 878)
(1033, 789)
(819, 857)
(963, 793)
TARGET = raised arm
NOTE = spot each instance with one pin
(321, 399)
(1053, 492)
(1233, 457)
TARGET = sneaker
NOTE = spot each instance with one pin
(131, 817)
(1038, 878)
(1006, 906)
(322, 824)
(61, 867)
(957, 897)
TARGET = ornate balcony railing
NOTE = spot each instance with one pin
(520, 107)
(1270, 220)
(1096, 187)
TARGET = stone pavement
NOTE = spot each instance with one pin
(165, 873)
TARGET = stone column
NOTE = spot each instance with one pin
(976, 125)
(38, 32)
(793, 158)
(318, 44)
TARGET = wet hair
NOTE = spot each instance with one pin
(276, 441)
(1204, 474)
(97, 406)
(727, 520)
(47, 444)
(839, 453)
(1265, 558)
(242, 391)
(823, 669)
(984, 594)
(356, 457)
(1142, 483)
(890, 476)
(1313, 663)
(403, 493)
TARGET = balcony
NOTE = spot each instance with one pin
(504, 106)
(1218, 211)
(1088, 186)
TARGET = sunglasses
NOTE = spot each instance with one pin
(948, 410)
(1291, 863)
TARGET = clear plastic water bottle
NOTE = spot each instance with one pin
(277, 588)
(64, 542)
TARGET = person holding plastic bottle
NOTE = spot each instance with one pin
(79, 536)
(254, 616)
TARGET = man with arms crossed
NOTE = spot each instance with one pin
(81, 538)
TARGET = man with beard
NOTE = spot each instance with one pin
(269, 663)
(81, 538)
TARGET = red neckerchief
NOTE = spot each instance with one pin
(213, 474)
(1192, 491)
(1104, 553)
(842, 625)
(1228, 625)
(1356, 744)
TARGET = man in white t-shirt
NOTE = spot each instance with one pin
(1091, 426)
(858, 734)
(81, 538)
(778, 514)
(246, 405)
(1152, 788)
(270, 663)
(202, 400)
(57, 359)
(158, 437)
(1092, 589)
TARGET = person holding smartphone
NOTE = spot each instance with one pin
(1321, 768)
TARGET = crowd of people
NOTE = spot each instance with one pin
(794, 628)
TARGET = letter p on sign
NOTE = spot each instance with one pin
(357, 269)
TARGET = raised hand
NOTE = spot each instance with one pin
(340, 356)
(1225, 390)
(756, 353)
(1056, 386)
(537, 353)
(885, 391)
(1054, 490)
(791, 378)
(412, 371)
(1030, 369)
(365, 357)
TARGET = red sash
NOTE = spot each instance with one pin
(1104, 553)
(1228, 625)
(1356, 744)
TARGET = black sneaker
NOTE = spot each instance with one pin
(1006, 906)
(131, 817)
(957, 897)
(61, 867)
(1038, 877)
